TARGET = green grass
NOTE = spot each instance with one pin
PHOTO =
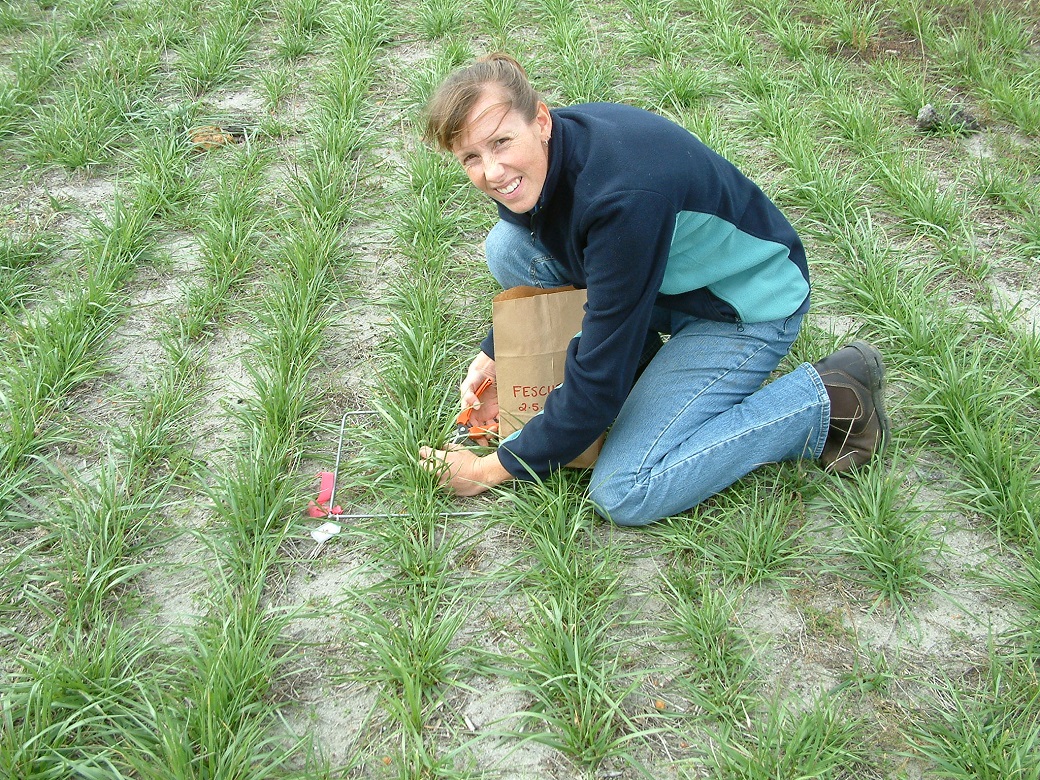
(823, 741)
(984, 728)
(175, 359)
(720, 673)
(19, 255)
(883, 538)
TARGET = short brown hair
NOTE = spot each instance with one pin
(451, 103)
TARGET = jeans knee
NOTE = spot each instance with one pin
(621, 507)
(500, 252)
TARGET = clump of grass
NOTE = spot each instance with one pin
(657, 33)
(796, 39)
(156, 437)
(906, 90)
(324, 189)
(574, 667)
(859, 127)
(62, 347)
(1005, 97)
(219, 722)
(882, 533)
(570, 656)
(228, 235)
(277, 85)
(14, 19)
(922, 22)
(854, 26)
(975, 415)
(902, 304)
(824, 76)
(676, 88)
(720, 674)
(434, 221)
(823, 740)
(368, 25)
(212, 58)
(920, 202)
(830, 194)
(413, 656)
(91, 15)
(302, 22)
(342, 115)
(584, 80)
(727, 36)
(1021, 346)
(440, 18)
(165, 184)
(759, 545)
(79, 705)
(82, 127)
(988, 729)
(1002, 31)
(748, 534)
(1005, 182)
(91, 114)
(499, 16)
(1000, 477)
(34, 70)
(101, 531)
(19, 256)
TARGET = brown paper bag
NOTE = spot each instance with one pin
(533, 328)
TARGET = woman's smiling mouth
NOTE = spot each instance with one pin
(509, 189)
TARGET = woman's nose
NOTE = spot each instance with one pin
(492, 168)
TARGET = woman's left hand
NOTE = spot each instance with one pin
(462, 471)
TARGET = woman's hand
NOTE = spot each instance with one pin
(485, 407)
(462, 471)
(459, 468)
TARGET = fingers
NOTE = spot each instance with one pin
(433, 459)
(480, 370)
(455, 468)
(469, 388)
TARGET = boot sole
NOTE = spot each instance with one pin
(877, 386)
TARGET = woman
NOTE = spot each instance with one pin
(668, 238)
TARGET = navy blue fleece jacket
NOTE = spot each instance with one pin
(641, 213)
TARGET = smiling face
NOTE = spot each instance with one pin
(503, 154)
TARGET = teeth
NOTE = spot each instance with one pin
(510, 189)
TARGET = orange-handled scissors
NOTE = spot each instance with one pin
(466, 433)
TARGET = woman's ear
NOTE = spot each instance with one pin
(543, 119)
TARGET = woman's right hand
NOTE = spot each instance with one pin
(485, 408)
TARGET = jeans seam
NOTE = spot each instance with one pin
(825, 408)
(717, 445)
(536, 279)
(642, 466)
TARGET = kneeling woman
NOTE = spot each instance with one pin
(668, 238)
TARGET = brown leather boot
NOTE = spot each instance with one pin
(854, 377)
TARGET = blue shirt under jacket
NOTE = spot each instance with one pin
(641, 213)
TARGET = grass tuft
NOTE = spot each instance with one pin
(884, 539)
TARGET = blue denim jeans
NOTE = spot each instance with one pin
(699, 417)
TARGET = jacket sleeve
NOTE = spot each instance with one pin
(626, 239)
(487, 346)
